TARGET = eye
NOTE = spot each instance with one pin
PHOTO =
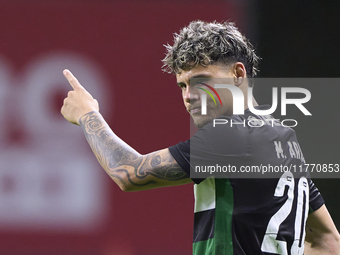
(182, 85)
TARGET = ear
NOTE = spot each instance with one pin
(239, 72)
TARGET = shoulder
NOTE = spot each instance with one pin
(219, 134)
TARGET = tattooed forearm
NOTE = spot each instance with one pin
(125, 165)
(107, 145)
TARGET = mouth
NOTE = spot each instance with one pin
(195, 110)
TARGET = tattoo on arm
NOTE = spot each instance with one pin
(121, 161)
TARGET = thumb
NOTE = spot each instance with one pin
(72, 80)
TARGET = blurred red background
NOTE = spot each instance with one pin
(54, 197)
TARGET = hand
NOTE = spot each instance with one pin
(78, 101)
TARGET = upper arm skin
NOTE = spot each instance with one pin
(322, 237)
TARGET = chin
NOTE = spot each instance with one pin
(201, 121)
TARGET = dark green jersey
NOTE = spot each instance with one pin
(236, 215)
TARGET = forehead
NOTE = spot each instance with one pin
(199, 71)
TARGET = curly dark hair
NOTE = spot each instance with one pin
(209, 43)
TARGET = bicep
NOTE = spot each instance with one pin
(154, 170)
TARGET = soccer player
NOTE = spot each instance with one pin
(232, 215)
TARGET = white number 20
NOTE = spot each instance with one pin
(270, 244)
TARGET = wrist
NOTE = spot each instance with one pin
(86, 117)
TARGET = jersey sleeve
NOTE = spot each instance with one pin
(210, 146)
(315, 198)
(181, 153)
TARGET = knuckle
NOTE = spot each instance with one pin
(96, 103)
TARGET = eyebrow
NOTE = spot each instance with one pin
(197, 76)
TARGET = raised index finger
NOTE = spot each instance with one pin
(72, 80)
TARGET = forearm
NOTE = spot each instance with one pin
(113, 154)
(129, 169)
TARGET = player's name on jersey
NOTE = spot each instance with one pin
(291, 149)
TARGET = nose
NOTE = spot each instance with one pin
(186, 94)
(189, 95)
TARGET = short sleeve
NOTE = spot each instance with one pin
(315, 198)
(209, 146)
(181, 153)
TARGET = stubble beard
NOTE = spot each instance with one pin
(201, 121)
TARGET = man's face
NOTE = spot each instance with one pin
(192, 92)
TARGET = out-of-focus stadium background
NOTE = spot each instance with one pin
(54, 197)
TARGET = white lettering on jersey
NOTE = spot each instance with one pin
(278, 149)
